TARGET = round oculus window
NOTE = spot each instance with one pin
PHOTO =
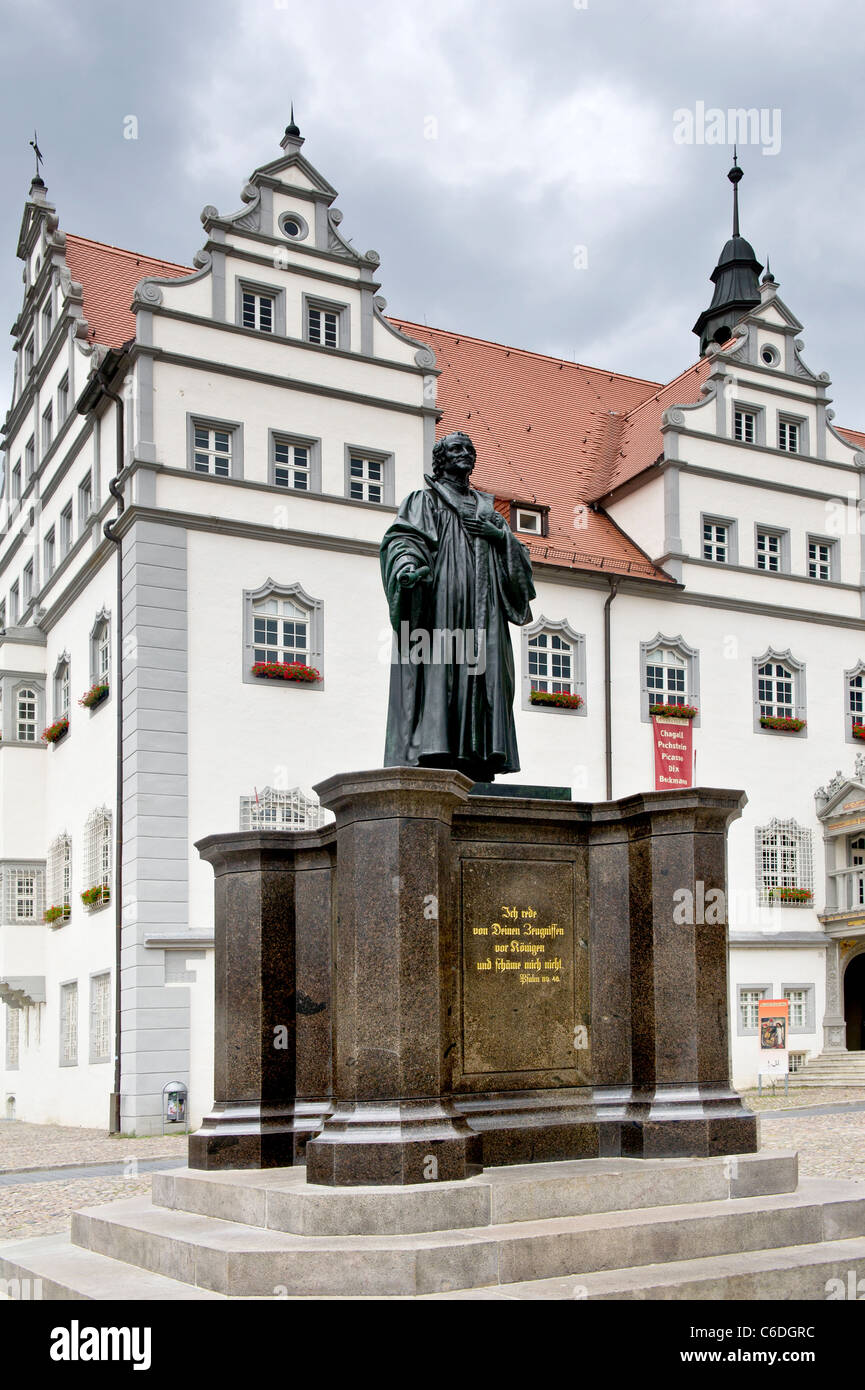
(293, 226)
(770, 356)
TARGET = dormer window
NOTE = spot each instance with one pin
(529, 521)
(745, 426)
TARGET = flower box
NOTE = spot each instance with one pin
(674, 711)
(56, 730)
(96, 896)
(782, 723)
(859, 731)
(95, 695)
(790, 895)
(285, 671)
(60, 912)
(561, 698)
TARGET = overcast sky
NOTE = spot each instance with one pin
(517, 163)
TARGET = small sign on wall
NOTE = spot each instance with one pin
(773, 1019)
(674, 752)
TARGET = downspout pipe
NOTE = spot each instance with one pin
(97, 389)
(608, 691)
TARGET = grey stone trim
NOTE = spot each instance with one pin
(272, 246)
(578, 680)
(766, 993)
(102, 617)
(672, 521)
(800, 706)
(12, 684)
(218, 294)
(155, 800)
(234, 427)
(145, 445)
(810, 1024)
(732, 526)
(63, 663)
(315, 606)
(429, 363)
(309, 442)
(760, 940)
(789, 576)
(93, 1058)
(366, 322)
(857, 670)
(429, 432)
(388, 472)
(343, 312)
(148, 292)
(274, 292)
(166, 942)
(834, 559)
(321, 227)
(759, 413)
(691, 658)
(760, 528)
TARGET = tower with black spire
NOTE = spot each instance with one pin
(735, 277)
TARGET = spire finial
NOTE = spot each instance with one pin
(38, 153)
(768, 278)
(735, 175)
(291, 128)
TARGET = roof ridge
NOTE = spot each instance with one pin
(125, 251)
(525, 352)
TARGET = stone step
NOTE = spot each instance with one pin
(279, 1199)
(248, 1261)
(51, 1267)
(800, 1272)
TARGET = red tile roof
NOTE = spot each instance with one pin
(108, 275)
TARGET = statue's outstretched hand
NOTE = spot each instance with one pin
(410, 577)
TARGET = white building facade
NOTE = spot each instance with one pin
(244, 430)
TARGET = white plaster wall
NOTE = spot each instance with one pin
(778, 967)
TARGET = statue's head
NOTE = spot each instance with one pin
(455, 451)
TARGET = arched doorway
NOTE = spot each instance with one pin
(854, 1003)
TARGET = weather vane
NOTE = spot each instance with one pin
(35, 147)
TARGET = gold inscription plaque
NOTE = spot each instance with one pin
(518, 966)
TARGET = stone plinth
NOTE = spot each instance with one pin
(395, 959)
(272, 1037)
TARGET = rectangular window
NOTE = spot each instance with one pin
(24, 894)
(257, 311)
(788, 436)
(775, 686)
(716, 542)
(798, 1000)
(280, 631)
(47, 321)
(665, 678)
(47, 428)
(13, 1037)
(63, 399)
(30, 459)
(48, 553)
(27, 581)
(749, 1000)
(85, 501)
(16, 482)
(211, 452)
(66, 530)
(69, 1025)
(14, 604)
(551, 663)
(784, 862)
(819, 559)
(292, 465)
(25, 715)
(745, 426)
(100, 1018)
(322, 326)
(29, 357)
(366, 479)
(769, 551)
(529, 521)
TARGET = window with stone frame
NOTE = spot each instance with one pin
(100, 650)
(719, 536)
(63, 399)
(669, 674)
(97, 851)
(771, 550)
(62, 688)
(100, 1018)
(779, 689)
(47, 427)
(212, 449)
(275, 809)
(24, 893)
(295, 463)
(59, 867)
(257, 310)
(554, 662)
(821, 558)
(26, 714)
(69, 1024)
(366, 480)
(784, 864)
(801, 1001)
(284, 624)
(322, 326)
(745, 425)
(747, 1008)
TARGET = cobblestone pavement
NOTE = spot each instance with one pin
(803, 1095)
(831, 1146)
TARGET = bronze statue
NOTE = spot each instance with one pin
(455, 576)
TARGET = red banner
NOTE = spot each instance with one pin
(674, 753)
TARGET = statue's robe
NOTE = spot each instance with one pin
(455, 713)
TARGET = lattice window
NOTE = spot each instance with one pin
(769, 551)
(100, 652)
(820, 559)
(271, 809)
(788, 436)
(291, 465)
(716, 542)
(25, 721)
(100, 1018)
(211, 451)
(61, 689)
(749, 1000)
(666, 678)
(24, 895)
(745, 426)
(280, 630)
(366, 479)
(784, 860)
(60, 872)
(775, 690)
(69, 1024)
(798, 1001)
(322, 326)
(13, 1037)
(551, 663)
(97, 849)
(257, 311)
